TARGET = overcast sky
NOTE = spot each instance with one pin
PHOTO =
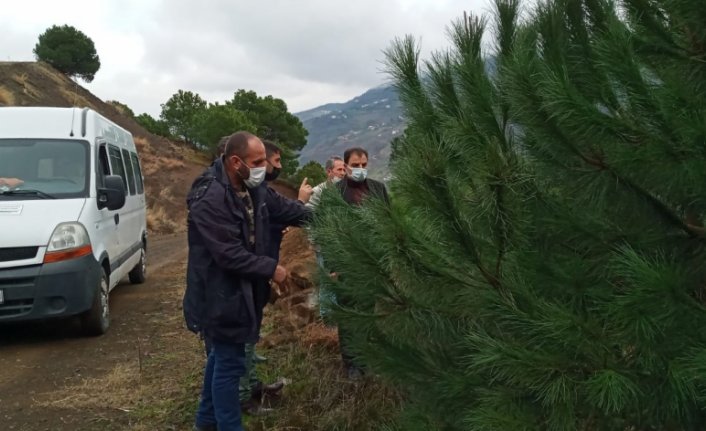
(307, 52)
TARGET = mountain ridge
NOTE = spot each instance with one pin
(370, 121)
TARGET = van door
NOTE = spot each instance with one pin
(108, 221)
(124, 217)
(133, 213)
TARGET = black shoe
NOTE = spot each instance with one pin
(205, 428)
(253, 408)
(260, 389)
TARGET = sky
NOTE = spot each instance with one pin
(306, 52)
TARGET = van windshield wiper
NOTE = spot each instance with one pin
(34, 192)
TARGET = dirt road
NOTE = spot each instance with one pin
(38, 361)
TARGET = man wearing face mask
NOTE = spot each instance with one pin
(251, 389)
(357, 185)
(228, 269)
(355, 188)
(335, 172)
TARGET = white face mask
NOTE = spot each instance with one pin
(336, 180)
(358, 174)
(257, 176)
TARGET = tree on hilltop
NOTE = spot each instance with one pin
(69, 51)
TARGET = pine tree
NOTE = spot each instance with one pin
(541, 264)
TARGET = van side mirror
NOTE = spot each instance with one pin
(112, 196)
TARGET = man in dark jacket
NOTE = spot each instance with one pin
(355, 188)
(251, 390)
(357, 185)
(228, 270)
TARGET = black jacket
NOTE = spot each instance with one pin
(374, 188)
(227, 279)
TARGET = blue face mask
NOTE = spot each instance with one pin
(358, 174)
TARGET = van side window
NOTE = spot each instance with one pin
(128, 169)
(138, 173)
(103, 166)
(116, 163)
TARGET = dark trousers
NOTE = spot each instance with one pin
(219, 398)
(250, 379)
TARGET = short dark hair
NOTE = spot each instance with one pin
(222, 145)
(355, 150)
(271, 148)
(331, 161)
(237, 144)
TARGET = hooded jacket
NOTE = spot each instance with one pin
(227, 277)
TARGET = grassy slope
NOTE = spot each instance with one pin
(159, 388)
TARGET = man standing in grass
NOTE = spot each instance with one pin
(251, 389)
(228, 269)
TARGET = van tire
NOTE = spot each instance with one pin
(96, 320)
(139, 272)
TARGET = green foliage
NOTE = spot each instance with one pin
(69, 51)
(290, 163)
(182, 112)
(312, 171)
(190, 117)
(217, 121)
(154, 126)
(541, 263)
(274, 122)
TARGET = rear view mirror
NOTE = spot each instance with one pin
(112, 195)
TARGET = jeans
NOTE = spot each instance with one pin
(219, 398)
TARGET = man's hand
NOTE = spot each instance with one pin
(14, 182)
(280, 275)
(305, 191)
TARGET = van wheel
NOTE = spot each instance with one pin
(139, 272)
(96, 320)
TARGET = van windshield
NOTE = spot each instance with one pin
(43, 169)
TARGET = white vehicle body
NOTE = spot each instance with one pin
(69, 231)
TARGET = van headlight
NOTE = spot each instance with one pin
(68, 241)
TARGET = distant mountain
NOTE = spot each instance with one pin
(370, 121)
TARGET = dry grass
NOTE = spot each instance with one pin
(158, 220)
(118, 389)
(75, 98)
(143, 145)
(6, 97)
(154, 389)
(152, 164)
(165, 194)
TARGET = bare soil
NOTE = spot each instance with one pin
(40, 360)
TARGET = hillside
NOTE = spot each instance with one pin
(168, 167)
(370, 120)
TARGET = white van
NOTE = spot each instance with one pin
(72, 214)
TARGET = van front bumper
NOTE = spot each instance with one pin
(48, 290)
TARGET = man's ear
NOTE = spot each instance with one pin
(235, 162)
